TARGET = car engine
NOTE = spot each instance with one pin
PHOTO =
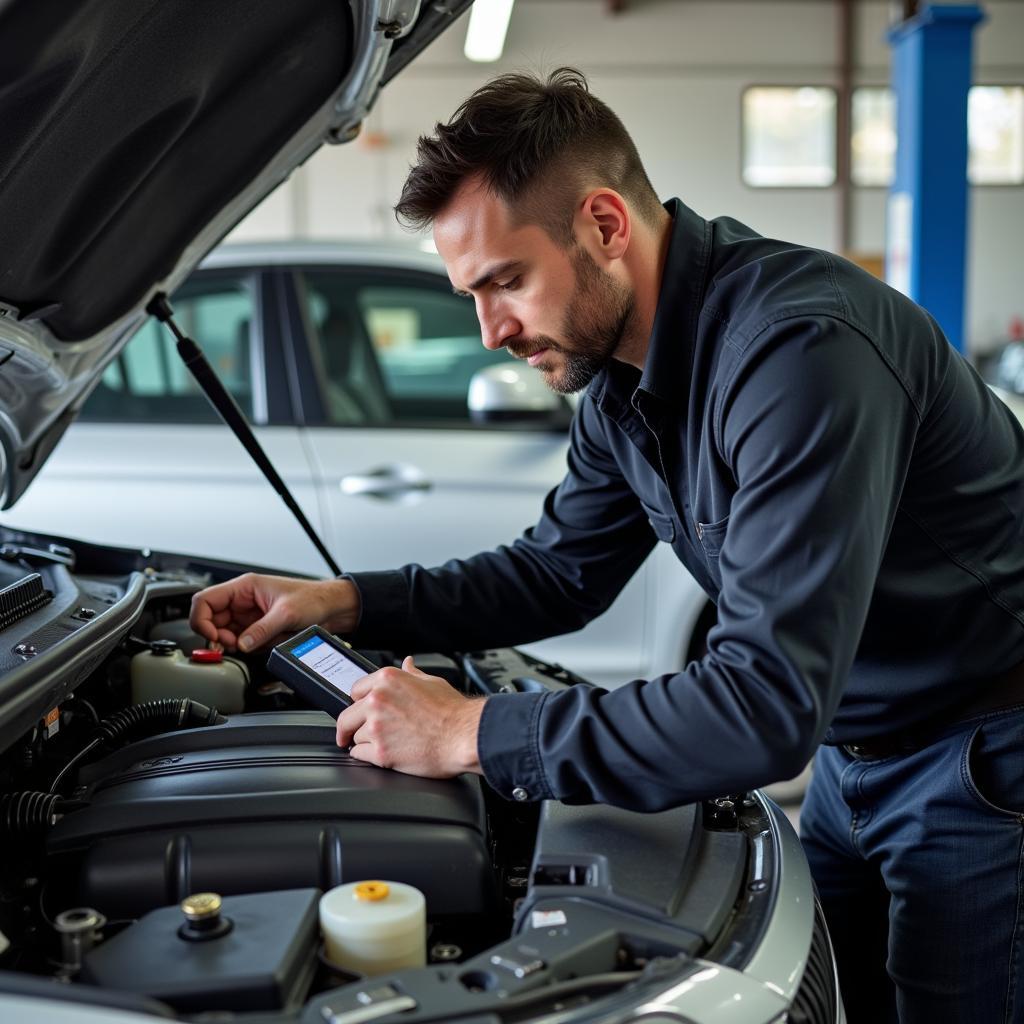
(260, 805)
(160, 855)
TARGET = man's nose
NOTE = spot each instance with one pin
(497, 327)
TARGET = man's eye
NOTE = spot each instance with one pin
(510, 285)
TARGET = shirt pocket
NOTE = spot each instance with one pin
(712, 537)
(662, 525)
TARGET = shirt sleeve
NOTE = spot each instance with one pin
(591, 538)
(818, 432)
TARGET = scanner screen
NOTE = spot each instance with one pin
(330, 664)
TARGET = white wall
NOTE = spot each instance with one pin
(674, 71)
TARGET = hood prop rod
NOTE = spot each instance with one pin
(192, 356)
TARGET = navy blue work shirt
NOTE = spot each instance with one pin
(835, 476)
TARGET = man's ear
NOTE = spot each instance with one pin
(603, 224)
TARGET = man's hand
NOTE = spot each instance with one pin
(252, 610)
(412, 722)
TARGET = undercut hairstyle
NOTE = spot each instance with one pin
(538, 145)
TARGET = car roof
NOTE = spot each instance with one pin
(406, 254)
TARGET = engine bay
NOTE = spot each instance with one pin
(125, 797)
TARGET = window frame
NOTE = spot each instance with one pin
(313, 407)
(992, 184)
(266, 410)
(867, 85)
(743, 144)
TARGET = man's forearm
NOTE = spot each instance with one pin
(512, 595)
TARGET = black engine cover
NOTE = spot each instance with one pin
(267, 802)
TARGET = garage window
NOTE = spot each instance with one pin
(995, 129)
(873, 141)
(789, 136)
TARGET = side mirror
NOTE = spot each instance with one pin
(507, 393)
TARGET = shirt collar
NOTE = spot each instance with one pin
(666, 370)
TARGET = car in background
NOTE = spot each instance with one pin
(354, 364)
(1013, 399)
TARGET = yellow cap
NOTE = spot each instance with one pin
(372, 891)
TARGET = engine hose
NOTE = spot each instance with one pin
(153, 717)
(26, 814)
(156, 716)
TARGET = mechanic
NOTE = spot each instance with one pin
(831, 471)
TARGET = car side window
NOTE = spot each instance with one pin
(393, 347)
(148, 382)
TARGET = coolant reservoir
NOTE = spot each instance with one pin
(374, 927)
(206, 676)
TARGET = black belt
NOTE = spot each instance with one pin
(1004, 691)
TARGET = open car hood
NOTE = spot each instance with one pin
(137, 133)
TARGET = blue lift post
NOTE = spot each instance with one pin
(926, 222)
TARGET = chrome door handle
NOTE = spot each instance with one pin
(387, 482)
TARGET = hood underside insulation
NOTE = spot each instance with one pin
(129, 124)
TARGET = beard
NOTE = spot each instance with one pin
(596, 319)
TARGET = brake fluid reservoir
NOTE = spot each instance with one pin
(374, 927)
(206, 676)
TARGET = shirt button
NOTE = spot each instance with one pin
(520, 794)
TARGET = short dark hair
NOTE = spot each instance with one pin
(537, 145)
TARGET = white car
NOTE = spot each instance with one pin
(354, 363)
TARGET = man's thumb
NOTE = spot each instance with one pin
(408, 665)
(260, 632)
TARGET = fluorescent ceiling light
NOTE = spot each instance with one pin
(488, 23)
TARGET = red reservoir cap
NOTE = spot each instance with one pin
(207, 657)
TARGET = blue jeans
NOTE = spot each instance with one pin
(918, 861)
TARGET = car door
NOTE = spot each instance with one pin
(148, 463)
(406, 476)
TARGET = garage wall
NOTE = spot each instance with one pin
(674, 71)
